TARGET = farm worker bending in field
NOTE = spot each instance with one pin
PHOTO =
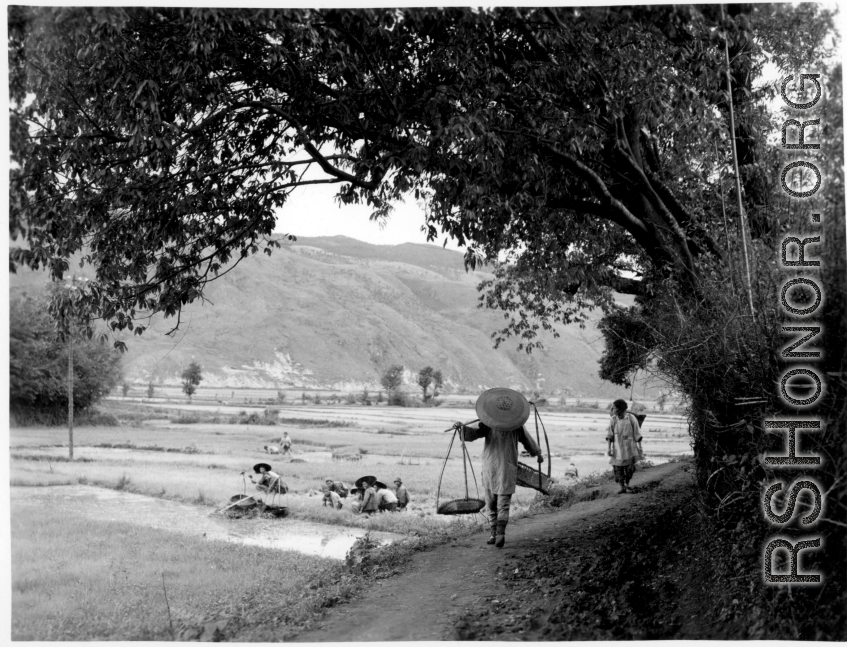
(386, 499)
(271, 449)
(369, 502)
(268, 480)
(333, 493)
(402, 494)
(571, 471)
(286, 444)
(624, 432)
(502, 413)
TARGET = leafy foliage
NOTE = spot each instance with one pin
(424, 380)
(391, 380)
(628, 343)
(38, 362)
(170, 138)
(191, 378)
(437, 382)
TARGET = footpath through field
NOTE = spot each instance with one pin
(443, 586)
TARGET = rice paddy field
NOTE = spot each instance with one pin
(202, 461)
(190, 460)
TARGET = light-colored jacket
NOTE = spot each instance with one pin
(386, 496)
(624, 434)
(500, 455)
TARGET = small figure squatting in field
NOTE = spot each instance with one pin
(368, 502)
(402, 494)
(267, 480)
(386, 499)
(502, 414)
(271, 449)
(624, 432)
(333, 493)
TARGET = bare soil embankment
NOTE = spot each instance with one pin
(470, 590)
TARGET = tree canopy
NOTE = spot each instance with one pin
(191, 378)
(162, 143)
(585, 147)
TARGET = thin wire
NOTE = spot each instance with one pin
(741, 213)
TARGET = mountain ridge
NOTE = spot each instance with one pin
(335, 312)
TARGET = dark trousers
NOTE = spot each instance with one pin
(497, 507)
(623, 473)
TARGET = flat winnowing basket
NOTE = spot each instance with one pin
(461, 506)
(529, 477)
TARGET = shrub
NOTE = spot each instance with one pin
(258, 419)
(38, 367)
(186, 419)
(398, 399)
(123, 483)
(97, 419)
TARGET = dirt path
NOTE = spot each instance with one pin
(442, 585)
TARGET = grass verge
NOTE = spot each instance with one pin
(77, 579)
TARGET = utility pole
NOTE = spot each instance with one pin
(70, 388)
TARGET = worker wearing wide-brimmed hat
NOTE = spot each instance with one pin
(268, 480)
(502, 414)
(369, 502)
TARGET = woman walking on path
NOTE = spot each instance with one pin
(624, 433)
(502, 414)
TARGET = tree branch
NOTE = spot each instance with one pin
(617, 211)
(642, 180)
(322, 161)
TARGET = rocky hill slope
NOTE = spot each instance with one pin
(336, 312)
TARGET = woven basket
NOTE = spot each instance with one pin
(461, 506)
(243, 501)
(528, 477)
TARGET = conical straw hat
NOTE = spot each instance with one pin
(502, 409)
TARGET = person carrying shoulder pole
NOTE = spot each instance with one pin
(502, 414)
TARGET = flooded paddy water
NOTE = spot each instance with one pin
(321, 540)
(163, 474)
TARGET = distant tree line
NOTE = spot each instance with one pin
(392, 380)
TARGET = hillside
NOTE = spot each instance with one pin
(336, 312)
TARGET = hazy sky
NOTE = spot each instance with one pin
(312, 211)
